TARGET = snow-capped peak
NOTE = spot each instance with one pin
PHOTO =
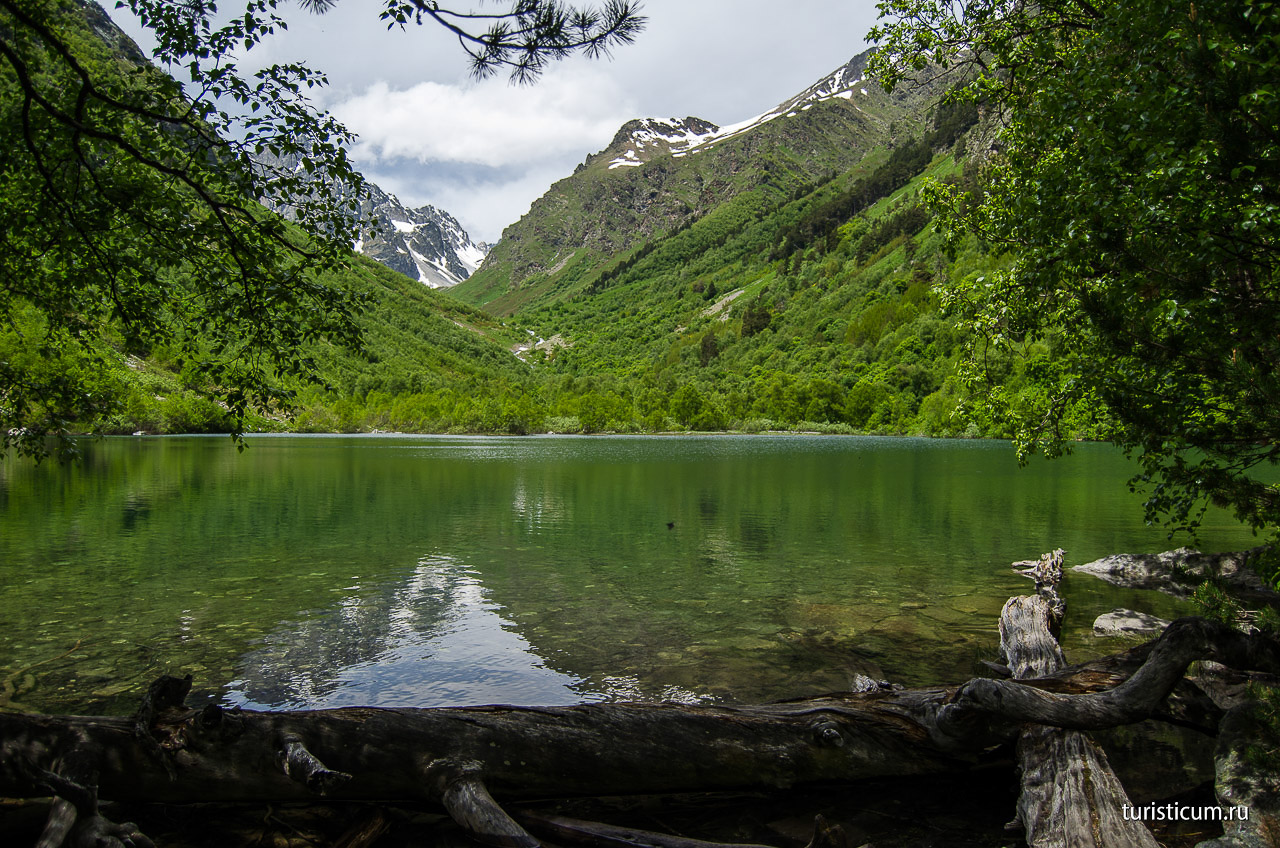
(642, 139)
(425, 243)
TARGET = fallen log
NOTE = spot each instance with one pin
(519, 752)
(463, 758)
(178, 754)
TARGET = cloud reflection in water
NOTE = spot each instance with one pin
(431, 640)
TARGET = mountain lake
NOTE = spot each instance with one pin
(388, 570)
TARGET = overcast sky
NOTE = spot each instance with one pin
(483, 151)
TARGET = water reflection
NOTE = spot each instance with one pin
(556, 569)
(535, 509)
(433, 640)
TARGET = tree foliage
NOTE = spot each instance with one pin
(526, 35)
(1136, 182)
(905, 162)
(133, 218)
(135, 207)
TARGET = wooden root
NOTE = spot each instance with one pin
(74, 819)
(62, 817)
(1141, 696)
(471, 806)
(303, 766)
(563, 830)
(1070, 796)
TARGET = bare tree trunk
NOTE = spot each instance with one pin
(1070, 796)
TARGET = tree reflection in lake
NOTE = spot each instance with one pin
(400, 570)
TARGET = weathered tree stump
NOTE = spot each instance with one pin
(1070, 796)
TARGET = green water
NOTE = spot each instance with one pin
(420, 571)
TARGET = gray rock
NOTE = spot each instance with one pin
(1178, 572)
(1241, 782)
(859, 682)
(1127, 622)
(1225, 686)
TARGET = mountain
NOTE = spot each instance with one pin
(643, 139)
(658, 175)
(427, 244)
(438, 359)
(416, 342)
(777, 273)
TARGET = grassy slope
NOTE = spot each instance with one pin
(417, 341)
(817, 310)
(767, 311)
(853, 337)
(586, 220)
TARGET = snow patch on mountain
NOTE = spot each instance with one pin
(427, 244)
(472, 254)
(643, 138)
(640, 140)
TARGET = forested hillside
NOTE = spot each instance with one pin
(658, 176)
(422, 353)
(816, 309)
(782, 274)
(146, 286)
(811, 309)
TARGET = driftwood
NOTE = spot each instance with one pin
(1179, 572)
(1070, 796)
(473, 760)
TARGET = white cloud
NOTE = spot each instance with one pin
(490, 123)
(484, 151)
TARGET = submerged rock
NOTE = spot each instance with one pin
(859, 682)
(1127, 622)
(1179, 572)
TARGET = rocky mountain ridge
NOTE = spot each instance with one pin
(661, 174)
(427, 244)
(643, 139)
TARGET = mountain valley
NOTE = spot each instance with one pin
(777, 273)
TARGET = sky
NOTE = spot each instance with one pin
(484, 151)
